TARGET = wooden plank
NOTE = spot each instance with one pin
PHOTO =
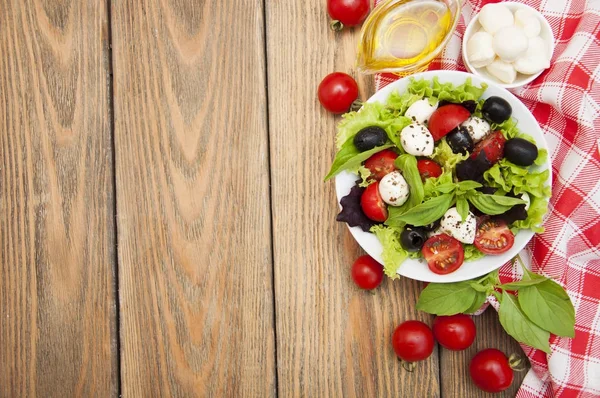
(57, 300)
(454, 366)
(193, 199)
(333, 339)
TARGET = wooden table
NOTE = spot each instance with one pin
(164, 227)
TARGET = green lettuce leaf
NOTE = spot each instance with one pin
(542, 157)
(535, 216)
(371, 114)
(472, 253)
(432, 184)
(465, 92)
(393, 254)
(507, 175)
(445, 157)
(401, 102)
(420, 87)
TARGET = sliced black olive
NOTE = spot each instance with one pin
(496, 110)
(520, 151)
(412, 239)
(459, 140)
(431, 227)
(369, 138)
(473, 168)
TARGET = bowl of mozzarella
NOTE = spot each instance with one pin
(508, 43)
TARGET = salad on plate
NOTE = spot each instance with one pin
(442, 173)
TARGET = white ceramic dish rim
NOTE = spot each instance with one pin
(417, 269)
(521, 79)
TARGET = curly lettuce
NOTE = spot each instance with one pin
(393, 254)
(445, 157)
(371, 114)
(472, 253)
(457, 94)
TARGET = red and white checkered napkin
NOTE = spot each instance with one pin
(565, 100)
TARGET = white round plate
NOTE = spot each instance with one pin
(417, 269)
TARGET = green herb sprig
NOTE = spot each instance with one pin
(541, 307)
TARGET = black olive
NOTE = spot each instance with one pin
(459, 140)
(431, 227)
(369, 138)
(473, 168)
(412, 239)
(520, 151)
(496, 110)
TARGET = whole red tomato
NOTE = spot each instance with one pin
(347, 12)
(490, 370)
(337, 91)
(455, 332)
(413, 341)
(367, 273)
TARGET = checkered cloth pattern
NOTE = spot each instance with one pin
(565, 100)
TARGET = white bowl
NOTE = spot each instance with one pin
(418, 269)
(521, 80)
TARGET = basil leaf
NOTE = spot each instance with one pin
(408, 166)
(516, 324)
(425, 213)
(462, 207)
(507, 200)
(446, 298)
(486, 204)
(349, 157)
(446, 188)
(521, 284)
(549, 306)
(468, 185)
(480, 299)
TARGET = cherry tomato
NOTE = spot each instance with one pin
(492, 145)
(337, 91)
(493, 236)
(455, 332)
(367, 273)
(347, 12)
(428, 168)
(372, 204)
(445, 119)
(443, 253)
(490, 370)
(381, 163)
(413, 341)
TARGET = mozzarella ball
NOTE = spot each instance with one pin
(494, 17)
(502, 71)
(453, 225)
(479, 49)
(528, 21)
(510, 43)
(477, 128)
(393, 189)
(535, 58)
(417, 140)
(420, 111)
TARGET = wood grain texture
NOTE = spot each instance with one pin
(193, 199)
(333, 339)
(57, 300)
(454, 366)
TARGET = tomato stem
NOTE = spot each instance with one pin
(408, 366)
(336, 25)
(517, 363)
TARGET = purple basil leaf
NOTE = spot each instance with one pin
(352, 211)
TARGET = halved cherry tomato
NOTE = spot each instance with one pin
(428, 168)
(372, 204)
(443, 253)
(381, 163)
(492, 145)
(493, 236)
(446, 118)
